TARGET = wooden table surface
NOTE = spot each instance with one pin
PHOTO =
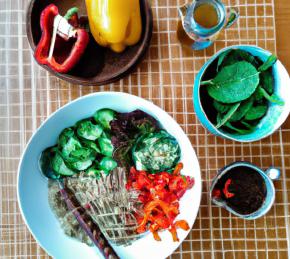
(282, 13)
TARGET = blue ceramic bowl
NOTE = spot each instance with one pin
(276, 115)
(269, 176)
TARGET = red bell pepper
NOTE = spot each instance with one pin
(226, 189)
(59, 62)
(160, 194)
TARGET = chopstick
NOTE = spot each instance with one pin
(90, 227)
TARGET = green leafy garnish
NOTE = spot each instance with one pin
(240, 90)
(237, 130)
(242, 110)
(221, 107)
(221, 58)
(267, 81)
(273, 98)
(268, 63)
(233, 83)
(231, 57)
(256, 112)
(223, 119)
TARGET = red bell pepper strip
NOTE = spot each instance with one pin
(177, 169)
(216, 193)
(42, 50)
(226, 189)
(181, 224)
(160, 194)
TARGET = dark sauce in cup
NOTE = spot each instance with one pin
(242, 188)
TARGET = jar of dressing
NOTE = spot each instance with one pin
(201, 21)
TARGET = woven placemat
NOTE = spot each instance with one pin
(28, 95)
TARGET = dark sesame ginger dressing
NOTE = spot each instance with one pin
(242, 188)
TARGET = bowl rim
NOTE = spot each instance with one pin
(157, 108)
(140, 54)
(201, 73)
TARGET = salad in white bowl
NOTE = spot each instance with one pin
(126, 163)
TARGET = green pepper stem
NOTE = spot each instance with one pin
(71, 12)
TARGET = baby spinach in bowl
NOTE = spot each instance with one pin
(239, 93)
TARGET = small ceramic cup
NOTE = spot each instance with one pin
(269, 176)
(276, 115)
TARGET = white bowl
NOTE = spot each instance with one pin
(33, 190)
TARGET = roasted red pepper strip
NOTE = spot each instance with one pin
(226, 189)
(42, 50)
(160, 194)
(216, 193)
(173, 232)
(177, 169)
(181, 224)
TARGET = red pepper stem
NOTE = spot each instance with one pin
(71, 12)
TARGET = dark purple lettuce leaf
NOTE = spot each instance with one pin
(126, 128)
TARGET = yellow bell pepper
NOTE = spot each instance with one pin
(115, 23)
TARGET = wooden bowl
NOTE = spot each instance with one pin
(98, 65)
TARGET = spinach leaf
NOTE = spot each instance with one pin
(237, 130)
(221, 107)
(236, 55)
(248, 125)
(59, 166)
(256, 112)
(223, 119)
(268, 63)
(258, 96)
(233, 83)
(243, 109)
(104, 117)
(246, 56)
(86, 129)
(273, 98)
(221, 58)
(267, 81)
